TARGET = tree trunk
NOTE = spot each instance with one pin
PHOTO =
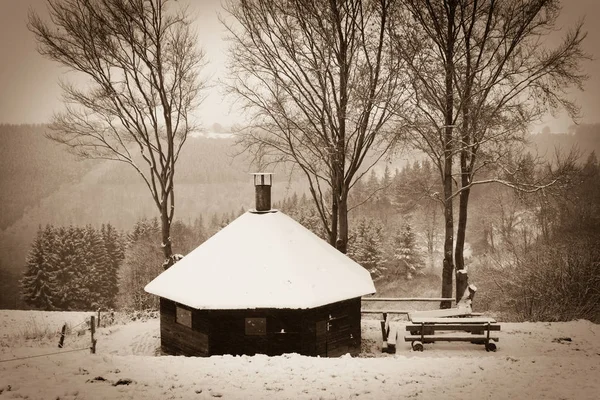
(340, 138)
(448, 265)
(467, 159)
(165, 223)
(461, 278)
(335, 211)
(342, 243)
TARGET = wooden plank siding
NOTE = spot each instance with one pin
(177, 339)
(342, 334)
(218, 332)
(228, 333)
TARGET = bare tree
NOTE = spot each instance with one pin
(141, 64)
(481, 73)
(320, 80)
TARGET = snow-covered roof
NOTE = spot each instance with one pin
(262, 261)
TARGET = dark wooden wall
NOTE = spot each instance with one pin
(177, 339)
(333, 328)
(328, 331)
(228, 332)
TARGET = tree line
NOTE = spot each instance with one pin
(540, 258)
(533, 255)
(73, 268)
(84, 268)
(390, 248)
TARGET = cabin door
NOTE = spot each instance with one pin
(332, 336)
(321, 330)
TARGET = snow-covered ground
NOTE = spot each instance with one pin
(531, 363)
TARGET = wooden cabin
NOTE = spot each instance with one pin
(264, 284)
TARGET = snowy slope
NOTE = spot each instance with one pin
(530, 363)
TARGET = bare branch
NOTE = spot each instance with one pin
(141, 64)
(320, 80)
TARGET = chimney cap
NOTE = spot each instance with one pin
(262, 186)
(259, 178)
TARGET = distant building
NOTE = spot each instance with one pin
(263, 284)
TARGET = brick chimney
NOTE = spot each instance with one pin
(262, 186)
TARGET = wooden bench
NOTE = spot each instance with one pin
(390, 347)
(423, 330)
(386, 312)
(386, 346)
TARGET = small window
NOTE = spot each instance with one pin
(256, 326)
(184, 317)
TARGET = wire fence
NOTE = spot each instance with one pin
(88, 321)
(44, 355)
(85, 321)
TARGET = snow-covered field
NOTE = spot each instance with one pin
(531, 363)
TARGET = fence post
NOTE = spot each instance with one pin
(98, 319)
(93, 330)
(62, 336)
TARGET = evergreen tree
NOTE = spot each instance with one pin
(358, 193)
(405, 251)
(401, 188)
(142, 262)
(38, 284)
(143, 228)
(366, 247)
(138, 230)
(200, 229)
(187, 238)
(115, 252)
(61, 247)
(387, 178)
(80, 269)
(294, 200)
(95, 282)
(307, 215)
(386, 184)
(224, 221)
(71, 268)
(215, 223)
(372, 186)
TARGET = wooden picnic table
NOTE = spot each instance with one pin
(425, 329)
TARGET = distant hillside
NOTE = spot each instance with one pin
(32, 167)
(47, 185)
(202, 160)
(584, 137)
(41, 182)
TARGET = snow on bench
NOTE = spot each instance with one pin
(450, 320)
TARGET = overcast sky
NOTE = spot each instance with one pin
(29, 91)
